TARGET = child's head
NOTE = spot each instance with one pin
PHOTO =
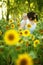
(32, 16)
(25, 16)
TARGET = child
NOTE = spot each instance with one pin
(29, 19)
(24, 21)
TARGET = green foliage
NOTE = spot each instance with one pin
(8, 54)
(16, 7)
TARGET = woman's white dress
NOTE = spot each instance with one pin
(24, 24)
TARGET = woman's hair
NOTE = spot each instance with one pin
(32, 16)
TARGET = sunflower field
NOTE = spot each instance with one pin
(19, 46)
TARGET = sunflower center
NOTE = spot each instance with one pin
(11, 37)
(23, 62)
(36, 43)
(29, 25)
(10, 20)
(20, 33)
(12, 25)
(20, 40)
(26, 32)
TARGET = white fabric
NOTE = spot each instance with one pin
(24, 24)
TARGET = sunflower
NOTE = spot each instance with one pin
(20, 41)
(26, 33)
(24, 59)
(36, 42)
(20, 29)
(7, 27)
(18, 24)
(11, 37)
(32, 37)
(20, 33)
(29, 25)
(11, 21)
(12, 26)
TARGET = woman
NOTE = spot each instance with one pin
(29, 20)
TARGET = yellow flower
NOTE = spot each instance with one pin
(24, 59)
(20, 33)
(32, 37)
(36, 42)
(7, 27)
(18, 24)
(26, 33)
(12, 26)
(20, 41)
(11, 37)
(11, 21)
(0, 32)
(20, 29)
(29, 25)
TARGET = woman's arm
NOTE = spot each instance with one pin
(22, 24)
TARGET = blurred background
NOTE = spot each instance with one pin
(15, 8)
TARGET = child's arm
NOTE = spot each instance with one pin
(22, 24)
